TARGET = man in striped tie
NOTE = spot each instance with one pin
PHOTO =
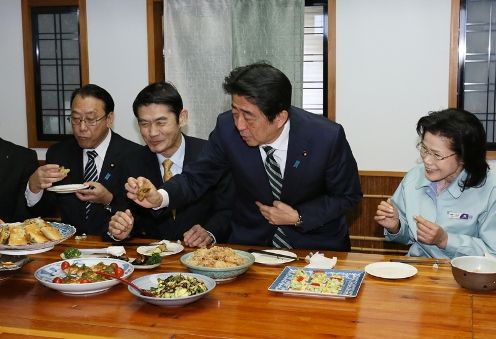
(92, 155)
(294, 172)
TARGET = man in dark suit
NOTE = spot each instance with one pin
(160, 114)
(17, 163)
(92, 155)
(294, 172)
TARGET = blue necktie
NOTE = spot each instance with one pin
(90, 174)
(275, 180)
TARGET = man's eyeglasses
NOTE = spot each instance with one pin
(89, 122)
(424, 151)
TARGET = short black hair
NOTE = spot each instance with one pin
(92, 90)
(161, 93)
(468, 140)
(263, 85)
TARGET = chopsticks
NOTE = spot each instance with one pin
(422, 261)
(274, 254)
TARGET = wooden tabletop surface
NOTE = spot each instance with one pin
(427, 305)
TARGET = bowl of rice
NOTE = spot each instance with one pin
(218, 263)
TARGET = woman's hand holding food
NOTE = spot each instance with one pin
(431, 233)
(387, 216)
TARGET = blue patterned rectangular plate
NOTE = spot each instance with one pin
(318, 282)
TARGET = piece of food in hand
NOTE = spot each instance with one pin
(64, 170)
(72, 252)
(142, 190)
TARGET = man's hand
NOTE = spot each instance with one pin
(431, 233)
(279, 213)
(96, 193)
(121, 224)
(197, 236)
(45, 176)
(152, 198)
(387, 216)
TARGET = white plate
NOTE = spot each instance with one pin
(46, 274)
(172, 248)
(143, 267)
(67, 188)
(391, 270)
(271, 260)
(87, 255)
(26, 252)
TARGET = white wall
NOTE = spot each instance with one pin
(12, 94)
(392, 59)
(392, 68)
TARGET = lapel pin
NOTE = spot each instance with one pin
(107, 176)
(296, 164)
(305, 153)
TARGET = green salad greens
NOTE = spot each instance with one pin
(155, 258)
(72, 252)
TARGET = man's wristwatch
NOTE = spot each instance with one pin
(298, 223)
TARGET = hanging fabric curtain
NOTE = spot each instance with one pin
(205, 39)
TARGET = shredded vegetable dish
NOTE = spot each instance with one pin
(177, 286)
(216, 257)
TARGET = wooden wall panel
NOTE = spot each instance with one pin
(366, 235)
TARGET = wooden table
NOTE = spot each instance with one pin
(428, 305)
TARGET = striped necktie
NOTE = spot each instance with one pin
(167, 163)
(90, 174)
(275, 180)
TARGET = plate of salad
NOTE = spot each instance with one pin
(145, 262)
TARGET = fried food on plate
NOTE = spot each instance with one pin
(31, 231)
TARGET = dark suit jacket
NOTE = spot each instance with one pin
(212, 211)
(68, 154)
(321, 181)
(17, 163)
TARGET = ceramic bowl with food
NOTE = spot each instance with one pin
(148, 282)
(220, 274)
(475, 273)
(49, 274)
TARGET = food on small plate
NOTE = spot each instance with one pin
(83, 274)
(142, 190)
(71, 252)
(144, 260)
(64, 170)
(178, 286)
(217, 257)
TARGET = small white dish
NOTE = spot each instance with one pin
(267, 259)
(63, 189)
(172, 248)
(143, 267)
(391, 270)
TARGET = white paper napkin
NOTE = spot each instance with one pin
(116, 251)
(318, 260)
